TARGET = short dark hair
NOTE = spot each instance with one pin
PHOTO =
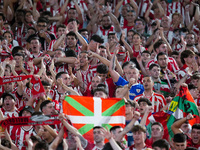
(32, 28)
(127, 63)
(102, 69)
(58, 75)
(45, 83)
(60, 26)
(162, 143)
(16, 49)
(130, 102)
(147, 52)
(179, 138)
(97, 127)
(46, 13)
(44, 103)
(175, 53)
(101, 87)
(102, 46)
(35, 139)
(42, 146)
(82, 30)
(72, 19)
(153, 65)
(97, 38)
(70, 53)
(161, 54)
(34, 38)
(113, 129)
(186, 54)
(71, 33)
(137, 128)
(195, 76)
(192, 86)
(159, 124)
(8, 32)
(196, 126)
(157, 44)
(139, 19)
(42, 20)
(144, 99)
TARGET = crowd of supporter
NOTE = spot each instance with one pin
(143, 51)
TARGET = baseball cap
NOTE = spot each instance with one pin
(27, 108)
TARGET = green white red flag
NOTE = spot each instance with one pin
(87, 112)
(180, 107)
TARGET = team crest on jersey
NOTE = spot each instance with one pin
(138, 90)
(37, 87)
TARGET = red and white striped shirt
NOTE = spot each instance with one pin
(182, 73)
(172, 65)
(176, 7)
(143, 6)
(158, 101)
(88, 74)
(104, 33)
(18, 136)
(15, 113)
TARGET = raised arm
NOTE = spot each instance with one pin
(114, 19)
(129, 126)
(177, 125)
(146, 16)
(64, 7)
(115, 75)
(117, 7)
(126, 45)
(80, 16)
(65, 87)
(165, 40)
(108, 136)
(144, 118)
(135, 7)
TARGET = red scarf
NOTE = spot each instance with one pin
(37, 87)
(28, 121)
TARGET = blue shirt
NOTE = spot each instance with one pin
(135, 90)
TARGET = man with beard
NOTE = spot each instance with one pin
(159, 85)
(194, 141)
(190, 40)
(106, 25)
(158, 101)
(165, 74)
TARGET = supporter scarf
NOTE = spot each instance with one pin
(37, 87)
(9, 79)
(31, 120)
